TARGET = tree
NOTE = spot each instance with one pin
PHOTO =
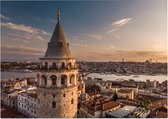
(114, 96)
(144, 103)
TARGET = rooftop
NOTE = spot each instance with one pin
(7, 112)
(125, 90)
(122, 111)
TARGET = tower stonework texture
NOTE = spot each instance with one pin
(58, 78)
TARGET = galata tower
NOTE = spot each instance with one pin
(58, 78)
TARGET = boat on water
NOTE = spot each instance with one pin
(27, 70)
(135, 76)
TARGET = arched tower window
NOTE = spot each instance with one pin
(70, 65)
(72, 101)
(38, 79)
(72, 79)
(53, 104)
(63, 79)
(46, 65)
(54, 65)
(44, 80)
(53, 79)
(63, 65)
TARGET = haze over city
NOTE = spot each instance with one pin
(97, 31)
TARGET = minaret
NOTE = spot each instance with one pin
(57, 79)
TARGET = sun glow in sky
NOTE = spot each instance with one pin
(97, 31)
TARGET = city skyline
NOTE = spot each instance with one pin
(96, 31)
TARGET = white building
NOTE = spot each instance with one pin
(9, 98)
(126, 93)
(122, 112)
(27, 104)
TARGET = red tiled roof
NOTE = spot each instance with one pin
(33, 95)
(110, 105)
(110, 93)
(161, 115)
(7, 112)
(125, 90)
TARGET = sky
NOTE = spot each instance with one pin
(96, 30)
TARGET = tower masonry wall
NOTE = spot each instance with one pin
(65, 107)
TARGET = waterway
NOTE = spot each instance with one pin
(114, 77)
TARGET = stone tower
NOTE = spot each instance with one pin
(57, 79)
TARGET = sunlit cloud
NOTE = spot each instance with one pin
(35, 18)
(4, 17)
(23, 33)
(20, 49)
(95, 37)
(127, 55)
(112, 47)
(79, 45)
(111, 30)
(18, 27)
(117, 36)
(23, 28)
(121, 22)
(53, 21)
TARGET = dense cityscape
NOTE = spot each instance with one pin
(60, 86)
(143, 98)
(125, 68)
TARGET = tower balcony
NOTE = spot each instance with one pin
(57, 70)
(55, 87)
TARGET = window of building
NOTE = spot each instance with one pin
(44, 95)
(54, 65)
(63, 65)
(64, 95)
(46, 65)
(63, 79)
(72, 78)
(53, 104)
(22, 105)
(72, 93)
(34, 111)
(60, 44)
(44, 80)
(72, 101)
(53, 95)
(19, 103)
(53, 78)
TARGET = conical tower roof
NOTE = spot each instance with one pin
(58, 46)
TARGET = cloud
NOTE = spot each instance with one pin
(23, 33)
(35, 18)
(112, 47)
(117, 55)
(18, 27)
(117, 36)
(111, 30)
(23, 28)
(53, 21)
(79, 45)
(94, 36)
(4, 17)
(21, 50)
(121, 22)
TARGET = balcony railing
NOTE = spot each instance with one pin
(56, 69)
